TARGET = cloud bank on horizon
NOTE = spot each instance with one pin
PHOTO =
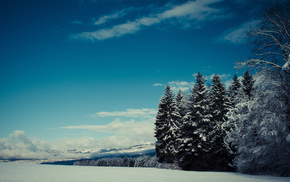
(123, 133)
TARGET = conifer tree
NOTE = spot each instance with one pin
(248, 85)
(167, 128)
(160, 129)
(234, 90)
(195, 127)
(219, 156)
(181, 103)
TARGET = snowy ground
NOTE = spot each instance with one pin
(22, 172)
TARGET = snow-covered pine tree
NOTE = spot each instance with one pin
(181, 103)
(248, 85)
(183, 109)
(174, 125)
(160, 129)
(234, 90)
(219, 157)
(167, 128)
(235, 96)
(195, 127)
(202, 118)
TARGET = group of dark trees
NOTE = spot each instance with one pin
(245, 127)
(141, 161)
(189, 130)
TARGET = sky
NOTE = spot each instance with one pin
(90, 73)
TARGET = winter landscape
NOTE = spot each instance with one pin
(127, 90)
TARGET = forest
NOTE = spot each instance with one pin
(244, 128)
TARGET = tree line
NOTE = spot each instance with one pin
(141, 161)
(189, 130)
(245, 127)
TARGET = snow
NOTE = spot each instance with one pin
(16, 172)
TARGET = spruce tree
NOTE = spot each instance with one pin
(167, 128)
(220, 159)
(195, 127)
(181, 103)
(202, 117)
(234, 90)
(248, 85)
(160, 129)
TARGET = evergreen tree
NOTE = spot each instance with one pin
(202, 117)
(181, 103)
(219, 105)
(234, 90)
(160, 129)
(195, 127)
(234, 94)
(167, 128)
(248, 85)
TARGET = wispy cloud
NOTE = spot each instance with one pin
(198, 10)
(116, 31)
(77, 22)
(238, 34)
(130, 127)
(158, 85)
(193, 11)
(106, 18)
(134, 113)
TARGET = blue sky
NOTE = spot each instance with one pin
(90, 73)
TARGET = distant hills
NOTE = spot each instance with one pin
(133, 151)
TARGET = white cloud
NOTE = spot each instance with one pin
(158, 85)
(19, 146)
(77, 22)
(116, 126)
(184, 86)
(107, 18)
(197, 11)
(116, 31)
(145, 113)
(134, 132)
(147, 21)
(123, 133)
(126, 133)
(238, 34)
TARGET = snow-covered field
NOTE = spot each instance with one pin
(23, 172)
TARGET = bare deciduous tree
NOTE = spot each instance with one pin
(271, 40)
